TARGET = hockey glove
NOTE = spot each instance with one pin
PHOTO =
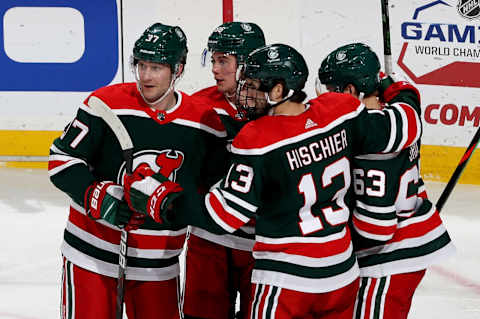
(150, 193)
(392, 85)
(105, 200)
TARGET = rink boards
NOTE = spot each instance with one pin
(55, 53)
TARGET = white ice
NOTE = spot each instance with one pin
(33, 214)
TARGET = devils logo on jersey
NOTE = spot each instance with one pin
(167, 162)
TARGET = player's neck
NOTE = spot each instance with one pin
(289, 108)
(372, 102)
(167, 103)
(230, 96)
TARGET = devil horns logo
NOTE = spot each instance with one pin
(167, 162)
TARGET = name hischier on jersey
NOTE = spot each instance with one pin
(317, 151)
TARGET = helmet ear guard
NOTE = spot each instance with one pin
(239, 72)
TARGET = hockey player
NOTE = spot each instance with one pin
(220, 266)
(171, 134)
(397, 231)
(291, 173)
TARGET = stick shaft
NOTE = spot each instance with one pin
(387, 49)
(458, 171)
(121, 133)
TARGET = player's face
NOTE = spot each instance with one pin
(153, 79)
(224, 68)
(250, 98)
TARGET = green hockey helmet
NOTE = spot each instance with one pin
(236, 38)
(355, 64)
(162, 43)
(268, 66)
(277, 62)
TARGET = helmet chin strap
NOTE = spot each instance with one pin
(318, 85)
(161, 98)
(238, 72)
(273, 103)
(229, 95)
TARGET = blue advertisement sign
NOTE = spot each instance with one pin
(95, 68)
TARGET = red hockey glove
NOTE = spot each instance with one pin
(136, 219)
(391, 86)
(105, 200)
(150, 193)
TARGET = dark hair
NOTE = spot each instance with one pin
(297, 97)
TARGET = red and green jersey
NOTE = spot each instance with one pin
(292, 174)
(243, 238)
(179, 143)
(232, 119)
(396, 228)
(217, 100)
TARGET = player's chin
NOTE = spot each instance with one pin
(152, 97)
(150, 91)
(223, 88)
(221, 85)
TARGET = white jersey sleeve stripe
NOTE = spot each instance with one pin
(407, 108)
(405, 127)
(56, 150)
(67, 162)
(301, 240)
(374, 221)
(244, 219)
(376, 209)
(372, 236)
(239, 201)
(215, 217)
(393, 131)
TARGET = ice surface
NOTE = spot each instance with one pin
(33, 215)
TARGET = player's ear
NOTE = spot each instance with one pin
(179, 70)
(351, 89)
(276, 93)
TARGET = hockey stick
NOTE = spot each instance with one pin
(458, 171)
(126, 144)
(387, 48)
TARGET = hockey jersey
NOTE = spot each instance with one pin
(396, 228)
(179, 143)
(292, 174)
(232, 120)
